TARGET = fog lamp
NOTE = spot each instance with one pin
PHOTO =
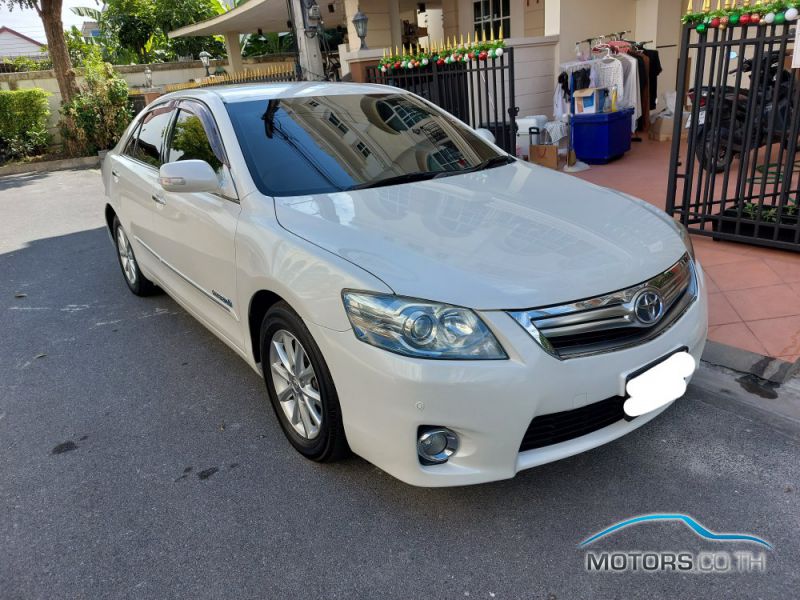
(436, 445)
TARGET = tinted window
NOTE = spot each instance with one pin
(130, 145)
(151, 135)
(190, 141)
(325, 144)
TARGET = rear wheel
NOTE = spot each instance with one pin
(300, 386)
(137, 282)
(712, 150)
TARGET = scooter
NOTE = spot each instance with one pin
(716, 148)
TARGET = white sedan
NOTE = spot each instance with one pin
(409, 291)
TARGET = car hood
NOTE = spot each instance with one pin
(517, 236)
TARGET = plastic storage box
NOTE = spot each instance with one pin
(600, 138)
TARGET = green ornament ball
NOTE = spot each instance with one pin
(780, 18)
(701, 28)
(734, 19)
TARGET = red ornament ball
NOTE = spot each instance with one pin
(715, 22)
(398, 64)
(482, 55)
(744, 19)
(440, 62)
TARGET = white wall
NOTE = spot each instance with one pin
(581, 19)
(12, 45)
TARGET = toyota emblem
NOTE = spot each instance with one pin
(648, 307)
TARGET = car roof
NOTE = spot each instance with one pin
(266, 91)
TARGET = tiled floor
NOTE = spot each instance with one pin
(754, 292)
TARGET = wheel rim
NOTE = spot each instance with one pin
(296, 384)
(126, 257)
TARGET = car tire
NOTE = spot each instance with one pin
(304, 397)
(137, 282)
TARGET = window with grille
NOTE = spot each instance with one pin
(489, 16)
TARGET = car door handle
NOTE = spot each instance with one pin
(158, 199)
(115, 175)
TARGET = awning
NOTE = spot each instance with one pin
(267, 15)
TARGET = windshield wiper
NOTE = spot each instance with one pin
(495, 161)
(404, 178)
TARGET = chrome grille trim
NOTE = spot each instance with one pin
(577, 328)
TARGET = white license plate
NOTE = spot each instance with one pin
(659, 385)
(701, 119)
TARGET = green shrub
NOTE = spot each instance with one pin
(23, 123)
(98, 115)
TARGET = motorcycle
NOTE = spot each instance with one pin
(716, 148)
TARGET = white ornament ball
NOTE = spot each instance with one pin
(769, 18)
(791, 14)
(424, 62)
(404, 64)
(383, 69)
(498, 53)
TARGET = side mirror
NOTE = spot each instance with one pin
(188, 176)
(485, 134)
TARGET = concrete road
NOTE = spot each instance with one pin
(139, 459)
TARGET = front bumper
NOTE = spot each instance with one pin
(385, 397)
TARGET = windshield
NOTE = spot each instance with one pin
(323, 144)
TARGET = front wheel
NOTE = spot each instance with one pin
(300, 386)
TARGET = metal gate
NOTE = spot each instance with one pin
(736, 175)
(479, 92)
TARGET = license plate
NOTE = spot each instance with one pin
(701, 119)
(659, 384)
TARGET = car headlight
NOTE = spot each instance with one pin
(420, 328)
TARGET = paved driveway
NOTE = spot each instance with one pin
(139, 459)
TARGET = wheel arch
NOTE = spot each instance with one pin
(110, 213)
(259, 304)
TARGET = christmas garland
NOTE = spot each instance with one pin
(742, 13)
(451, 53)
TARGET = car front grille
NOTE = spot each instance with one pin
(613, 321)
(546, 430)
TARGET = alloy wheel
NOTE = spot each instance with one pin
(126, 257)
(296, 384)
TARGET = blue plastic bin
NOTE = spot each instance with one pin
(600, 138)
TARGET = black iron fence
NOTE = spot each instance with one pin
(479, 92)
(736, 175)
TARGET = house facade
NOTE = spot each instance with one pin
(14, 44)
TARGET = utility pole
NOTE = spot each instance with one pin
(307, 23)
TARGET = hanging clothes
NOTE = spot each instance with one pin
(654, 71)
(644, 86)
(631, 95)
(610, 75)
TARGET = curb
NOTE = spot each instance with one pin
(763, 367)
(85, 162)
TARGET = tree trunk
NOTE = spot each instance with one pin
(50, 12)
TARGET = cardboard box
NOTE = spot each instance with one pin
(588, 101)
(661, 130)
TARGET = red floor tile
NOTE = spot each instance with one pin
(712, 287)
(738, 335)
(765, 302)
(720, 311)
(743, 274)
(781, 336)
(788, 270)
